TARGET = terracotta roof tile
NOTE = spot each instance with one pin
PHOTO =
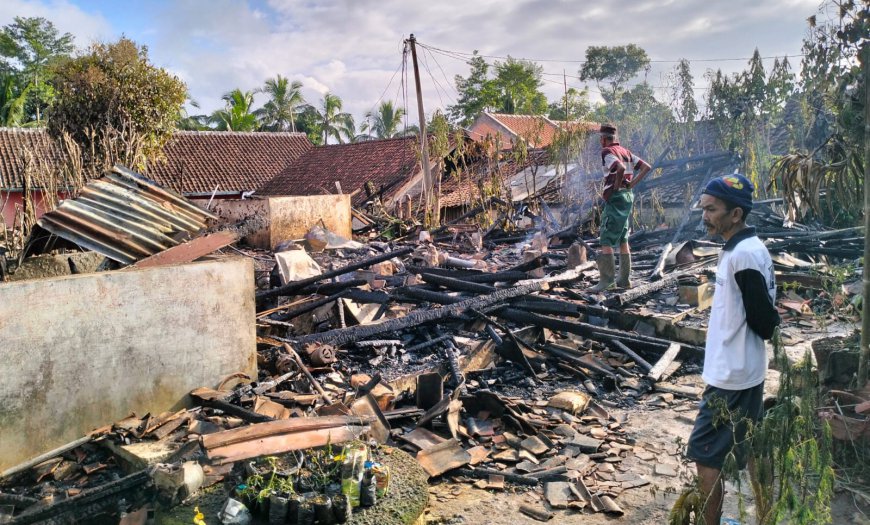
(538, 130)
(196, 161)
(385, 163)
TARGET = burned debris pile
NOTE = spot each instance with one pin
(467, 354)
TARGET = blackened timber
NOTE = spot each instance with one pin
(331, 288)
(645, 289)
(534, 264)
(87, 504)
(429, 296)
(471, 276)
(515, 352)
(309, 306)
(429, 343)
(485, 473)
(620, 346)
(292, 287)
(234, 410)
(583, 329)
(364, 296)
(425, 315)
(570, 355)
(457, 284)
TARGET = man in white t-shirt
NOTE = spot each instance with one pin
(743, 315)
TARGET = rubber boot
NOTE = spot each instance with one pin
(606, 267)
(624, 271)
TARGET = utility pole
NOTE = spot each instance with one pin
(428, 184)
(864, 356)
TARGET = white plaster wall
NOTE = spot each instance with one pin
(79, 352)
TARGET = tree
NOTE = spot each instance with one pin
(577, 103)
(115, 104)
(333, 122)
(384, 123)
(613, 66)
(515, 88)
(476, 93)
(683, 93)
(308, 122)
(189, 122)
(12, 102)
(518, 84)
(285, 99)
(28, 47)
(238, 114)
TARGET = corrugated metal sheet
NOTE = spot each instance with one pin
(125, 217)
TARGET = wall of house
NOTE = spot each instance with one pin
(234, 210)
(290, 217)
(10, 201)
(79, 352)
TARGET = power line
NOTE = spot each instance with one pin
(471, 55)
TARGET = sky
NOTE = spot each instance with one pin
(353, 48)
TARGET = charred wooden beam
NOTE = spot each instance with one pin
(485, 473)
(515, 352)
(292, 288)
(424, 315)
(331, 288)
(429, 343)
(583, 329)
(309, 306)
(364, 296)
(538, 262)
(645, 289)
(86, 504)
(620, 346)
(457, 284)
(572, 356)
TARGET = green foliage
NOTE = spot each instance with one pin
(238, 114)
(577, 104)
(514, 89)
(518, 83)
(830, 152)
(28, 49)
(285, 99)
(476, 93)
(308, 122)
(115, 104)
(384, 123)
(613, 67)
(333, 122)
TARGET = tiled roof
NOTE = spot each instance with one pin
(462, 189)
(385, 163)
(16, 146)
(196, 161)
(538, 130)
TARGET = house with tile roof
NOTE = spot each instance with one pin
(390, 168)
(197, 164)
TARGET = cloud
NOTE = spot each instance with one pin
(66, 17)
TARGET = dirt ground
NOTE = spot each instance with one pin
(661, 431)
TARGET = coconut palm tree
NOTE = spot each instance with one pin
(238, 114)
(189, 122)
(285, 99)
(384, 123)
(333, 122)
(12, 103)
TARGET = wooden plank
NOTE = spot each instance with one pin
(443, 457)
(189, 251)
(280, 426)
(662, 364)
(283, 443)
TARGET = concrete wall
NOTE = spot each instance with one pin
(292, 217)
(83, 351)
(289, 217)
(234, 210)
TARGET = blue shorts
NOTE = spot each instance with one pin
(715, 433)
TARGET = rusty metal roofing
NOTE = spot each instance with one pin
(125, 217)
